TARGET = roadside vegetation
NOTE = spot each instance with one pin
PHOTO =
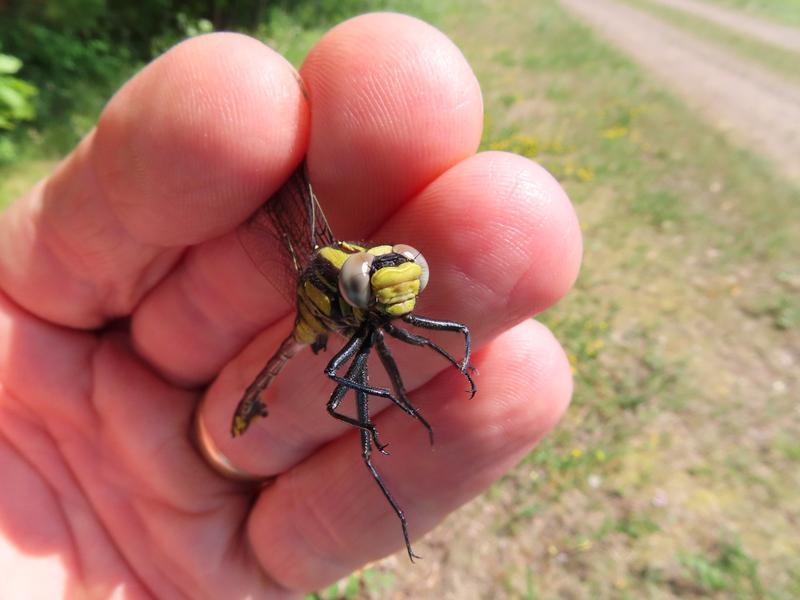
(781, 61)
(786, 12)
(676, 472)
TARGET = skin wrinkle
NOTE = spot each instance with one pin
(57, 498)
(129, 557)
(151, 274)
(189, 279)
(137, 290)
(301, 506)
(199, 275)
(143, 506)
(93, 395)
(385, 111)
(73, 479)
(236, 75)
(147, 505)
(541, 197)
(45, 413)
(36, 197)
(172, 569)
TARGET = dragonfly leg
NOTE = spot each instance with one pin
(418, 340)
(250, 406)
(362, 408)
(366, 337)
(397, 382)
(357, 367)
(426, 323)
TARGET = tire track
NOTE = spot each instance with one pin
(781, 36)
(758, 108)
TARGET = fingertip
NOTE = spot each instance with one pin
(194, 142)
(498, 230)
(394, 104)
(544, 374)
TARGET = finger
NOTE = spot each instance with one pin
(502, 242)
(317, 512)
(393, 105)
(182, 153)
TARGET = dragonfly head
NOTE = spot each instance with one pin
(386, 278)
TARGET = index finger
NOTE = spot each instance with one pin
(181, 154)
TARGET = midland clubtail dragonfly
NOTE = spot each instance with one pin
(356, 290)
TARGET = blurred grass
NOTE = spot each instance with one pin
(785, 12)
(17, 179)
(784, 62)
(675, 472)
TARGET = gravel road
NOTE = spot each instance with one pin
(782, 36)
(758, 108)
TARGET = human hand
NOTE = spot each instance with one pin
(126, 298)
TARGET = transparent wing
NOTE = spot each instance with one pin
(283, 233)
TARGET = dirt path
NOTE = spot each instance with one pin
(765, 31)
(760, 109)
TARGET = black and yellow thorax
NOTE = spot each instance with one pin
(346, 284)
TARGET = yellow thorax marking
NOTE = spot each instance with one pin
(378, 250)
(334, 256)
(318, 298)
(337, 255)
(311, 321)
(303, 333)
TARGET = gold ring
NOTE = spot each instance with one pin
(216, 459)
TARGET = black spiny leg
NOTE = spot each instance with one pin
(397, 382)
(362, 407)
(361, 345)
(418, 340)
(364, 336)
(427, 323)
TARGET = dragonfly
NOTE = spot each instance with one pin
(356, 290)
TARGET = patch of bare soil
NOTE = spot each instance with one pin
(760, 109)
(782, 36)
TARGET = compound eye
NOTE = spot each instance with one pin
(415, 255)
(354, 279)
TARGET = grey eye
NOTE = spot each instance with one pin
(354, 279)
(413, 254)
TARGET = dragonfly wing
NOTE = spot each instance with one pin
(282, 235)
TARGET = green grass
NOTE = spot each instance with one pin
(363, 583)
(779, 60)
(727, 568)
(16, 179)
(786, 12)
